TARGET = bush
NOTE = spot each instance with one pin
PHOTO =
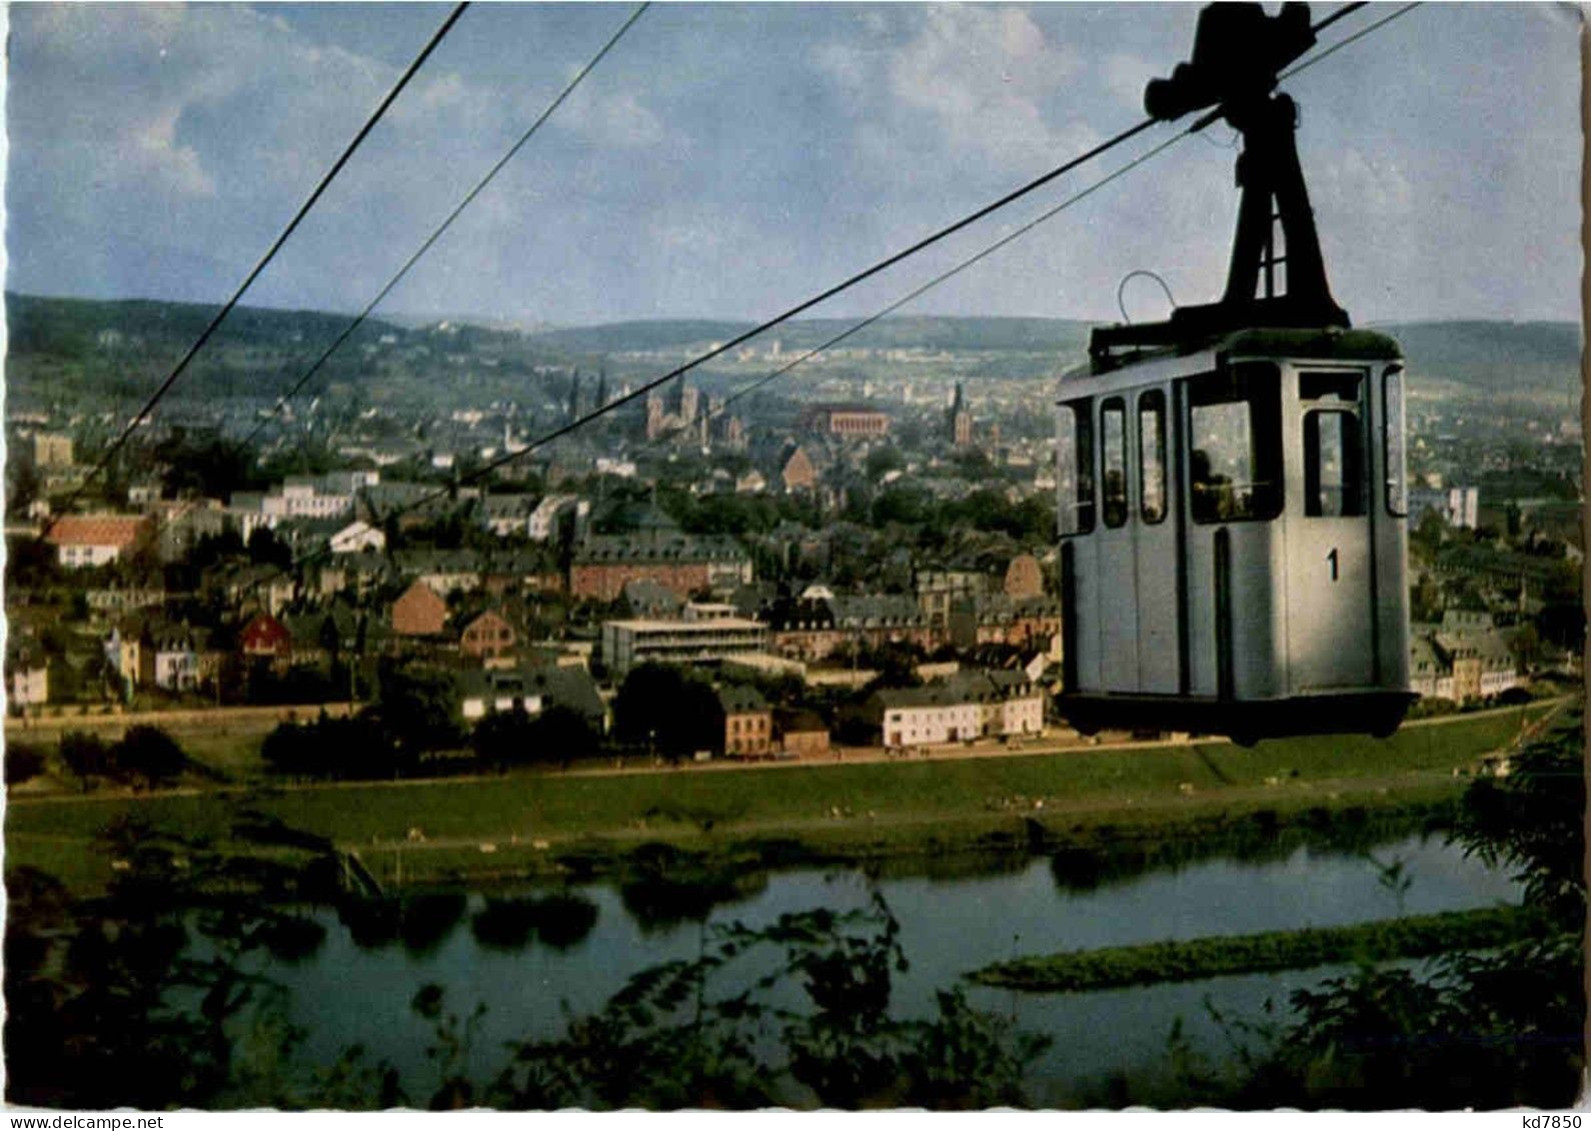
(23, 763)
(150, 753)
(357, 748)
(85, 754)
(503, 738)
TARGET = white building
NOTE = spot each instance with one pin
(27, 685)
(357, 537)
(543, 520)
(302, 496)
(1463, 507)
(628, 643)
(622, 468)
(83, 540)
(963, 707)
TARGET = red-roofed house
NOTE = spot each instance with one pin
(265, 637)
(98, 539)
(419, 612)
(487, 636)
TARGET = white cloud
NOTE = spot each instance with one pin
(151, 147)
(617, 119)
(983, 74)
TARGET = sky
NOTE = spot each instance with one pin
(730, 160)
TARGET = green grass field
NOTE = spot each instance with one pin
(836, 805)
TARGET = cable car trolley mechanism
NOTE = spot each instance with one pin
(1232, 502)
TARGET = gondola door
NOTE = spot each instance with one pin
(1157, 553)
(1331, 622)
(1118, 575)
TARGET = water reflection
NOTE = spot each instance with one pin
(955, 916)
(1259, 839)
(561, 921)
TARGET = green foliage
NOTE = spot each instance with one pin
(555, 736)
(23, 762)
(150, 754)
(417, 708)
(1532, 821)
(111, 1003)
(86, 754)
(664, 707)
(349, 748)
(881, 461)
(265, 548)
(207, 466)
(693, 1033)
(1481, 1028)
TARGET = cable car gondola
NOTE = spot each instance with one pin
(1232, 499)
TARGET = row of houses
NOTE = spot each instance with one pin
(1465, 656)
(960, 708)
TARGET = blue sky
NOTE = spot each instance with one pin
(729, 160)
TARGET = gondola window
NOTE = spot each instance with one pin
(1392, 428)
(1152, 455)
(1333, 465)
(1113, 439)
(1235, 458)
(1074, 467)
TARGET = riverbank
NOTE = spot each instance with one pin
(551, 824)
(1416, 936)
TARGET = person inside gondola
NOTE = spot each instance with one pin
(1213, 498)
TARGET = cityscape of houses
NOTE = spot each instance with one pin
(875, 564)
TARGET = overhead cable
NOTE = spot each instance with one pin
(446, 223)
(917, 293)
(276, 246)
(603, 410)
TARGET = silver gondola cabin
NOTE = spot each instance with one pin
(1232, 499)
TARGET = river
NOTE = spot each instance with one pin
(1108, 1047)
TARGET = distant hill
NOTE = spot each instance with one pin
(70, 327)
(959, 334)
(69, 344)
(1501, 357)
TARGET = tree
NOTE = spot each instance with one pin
(266, 549)
(659, 705)
(673, 1037)
(357, 748)
(561, 734)
(85, 754)
(881, 461)
(503, 738)
(149, 753)
(23, 762)
(110, 1003)
(417, 707)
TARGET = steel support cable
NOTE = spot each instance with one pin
(635, 394)
(866, 273)
(469, 197)
(1345, 10)
(1355, 37)
(799, 308)
(846, 284)
(944, 277)
(276, 246)
(1198, 125)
